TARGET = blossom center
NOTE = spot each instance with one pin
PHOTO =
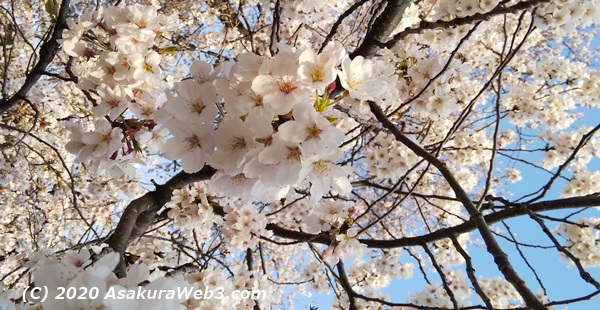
(142, 23)
(106, 137)
(236, 143)
(110, 70)
(321, 167)
(193, 142)
(197, 106)
(258, 100)
(113, 103)
(148, 68)
(287, 87)
(294, 153)
(317, 73)
(313, 131)
(238, 179)
(354, 83)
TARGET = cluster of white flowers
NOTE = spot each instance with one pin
(258, 157)
(336, 218)
(582, 241)
(446, 253)
(220, 283)
(500, 292)
(582, 183)
(122, 71)
(95, 280)
(264, 123)
(435, 295)
(244, 225)
(472, 149)
(191, 210)
(389, 158)
(589, 91)
(562, 144)
(566, 15)
(378, 272)
(316, 277)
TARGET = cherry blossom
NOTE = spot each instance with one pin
(343, 147)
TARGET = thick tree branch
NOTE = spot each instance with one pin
(468, 226)
(345, 282)
(383, 27)
(141, 212)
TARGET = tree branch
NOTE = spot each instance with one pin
(383, 26)
(423, 25)
(500, 258)
(141, 212)
(47, 53)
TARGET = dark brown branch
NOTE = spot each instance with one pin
(423, 25)
(383, 27)
(440, 271)
(471, 273)
(339, 21)
(343, 278)
(141, 212)
(47, 53)
(559, 204)
(275, 28)
(492, 246)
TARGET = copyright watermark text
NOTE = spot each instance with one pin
(41, 294)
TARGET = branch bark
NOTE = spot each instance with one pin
(468, 226)
(383, 27)
(141, 212)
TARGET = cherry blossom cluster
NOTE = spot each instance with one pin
(581, 241)
(561, 145)
(501, 293)
(446, 253)
(389, 158)
(316, 277)
(344, 242)
(121, 72)
(191, 210)
(274, 122)
(478, 146)
(77, 270)
(243, 225)
(241, 279)
(435, 295)
(566, 15)
(378, 272)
